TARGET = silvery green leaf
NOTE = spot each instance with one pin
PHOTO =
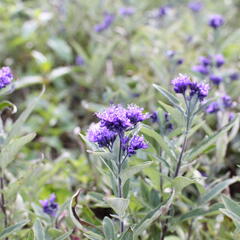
(217, 189)
(108, 229)
(64, 236)
(119, 205)
(128, 235)
(12, 229)
(38, 230)
(131, 171)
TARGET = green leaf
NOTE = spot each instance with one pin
(38, 230)
(217, 189)
(10, 150)
(14, 228)
(131, 171)
(128, 235)
(59, 72)
(162, 143)
(152, 216)
(108, 229)
(7, 104)
(232, 210)
(205, 143)
(119, 205)
(64, 236)
(61, 48)
(17, 126)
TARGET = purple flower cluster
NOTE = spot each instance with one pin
(205, 67)
(6, 77)
(116, 121)
(216, 21)
(234, 76)
(195, 6)
(49, 206)
(106, 23)
(183, 83)
(223, 103)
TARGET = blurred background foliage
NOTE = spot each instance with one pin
(40, 41)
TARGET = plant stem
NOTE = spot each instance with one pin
(120, 195)
(2, 201)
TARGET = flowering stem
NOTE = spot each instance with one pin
(120, 181)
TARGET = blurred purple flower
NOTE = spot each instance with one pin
(195, 6)
(107, 21)
(205, 61)
(219, 59)
(234, 76)
(231, 116)
(6, 77)
(170, 53)
(212, 108)
(79, 60)
(126, 11)
(216, 79)
(154, 117)
(216, 21)
(49, 206)
(204, 70)
(201, 89)
(227, 101)
(180, 61)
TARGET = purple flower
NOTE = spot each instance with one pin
(234, 76)
(201, 69)
(227, 101)
(181, 83)
(107, 21)
(170, 53)
(195, 6)
(115, 118)
(201, 89)
(79, 61)
(6, 77)
(231, 116)
(180, 61)
(154, 117)
(168, 124)
(134, 144)
(216, 79)
(213, 107)
(126, 11)
(135, 114)
(49, 206)
(205, 61)
(162, 11)
(219, 59)
(216, 21)
(101, 135)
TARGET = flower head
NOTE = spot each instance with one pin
(126, 11)
(216, 21)
(162, 11)
(6, 77)
(219, 59)
(180, 61)
(106, 23)
(134, 144)
(204, 70)
(227, 101)
(181, 83)
(154, 117)
(101, 135)
(199, 89)
(205, 61)
(234, 76)
(79, 60)
(49, 206)
(213, 107)
(135, 114)
(195, 6)
(115, 118)
(216, 79)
